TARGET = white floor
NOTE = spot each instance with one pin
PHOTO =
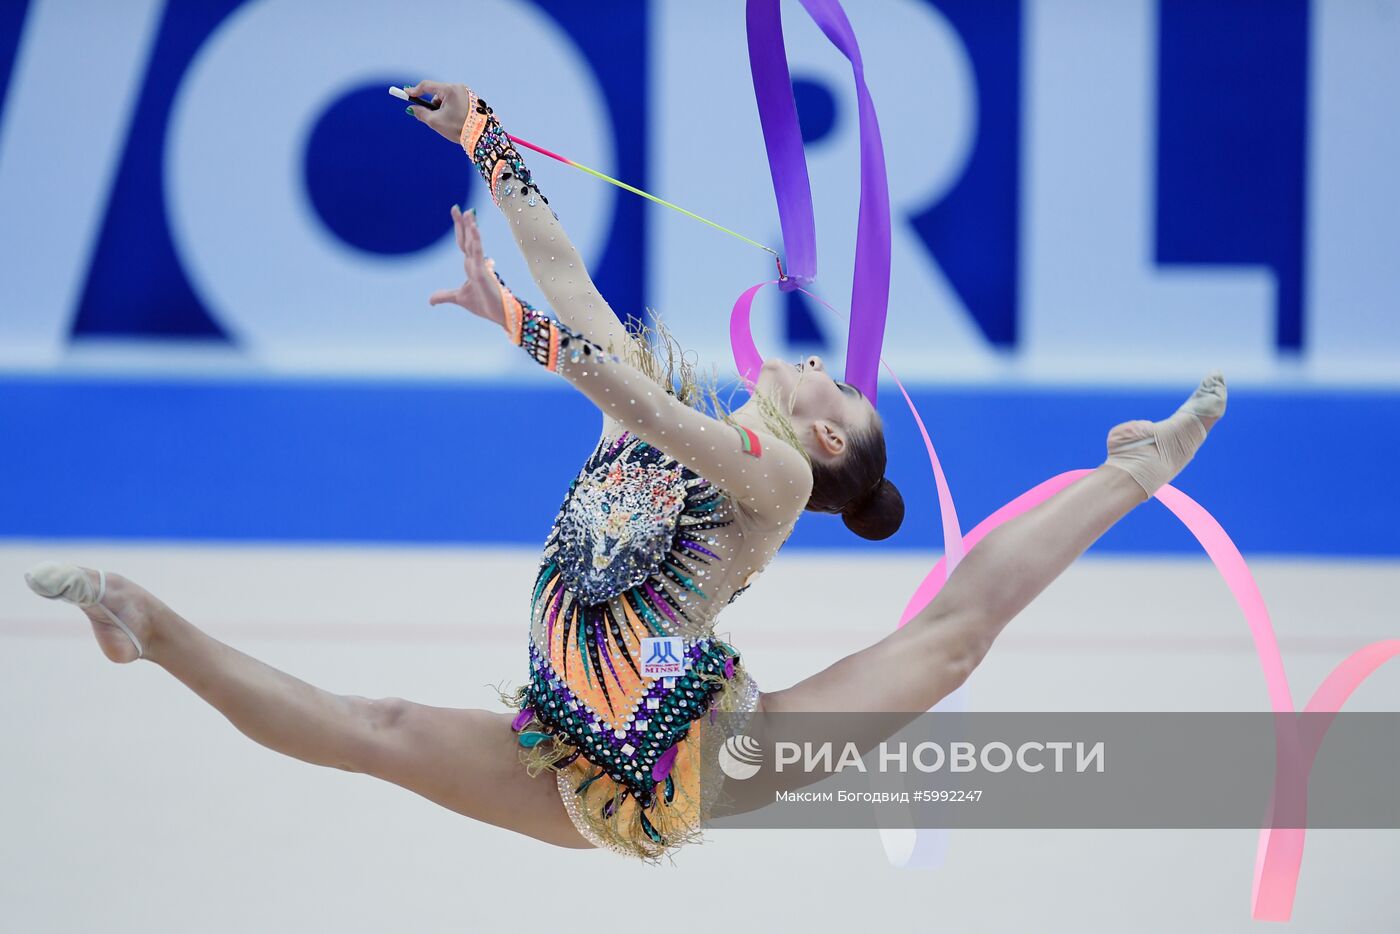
(128, 805)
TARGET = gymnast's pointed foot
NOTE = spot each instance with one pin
(1155, 452)
(123, 615)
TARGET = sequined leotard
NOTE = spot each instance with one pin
(670, 518)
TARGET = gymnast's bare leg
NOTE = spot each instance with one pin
(919, 664)
(465, 760)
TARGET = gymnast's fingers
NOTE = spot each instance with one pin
(425, 88)
(477, 266)
(458, 228)
(471, 236)
(443, 297)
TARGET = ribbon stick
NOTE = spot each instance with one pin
(637, 191)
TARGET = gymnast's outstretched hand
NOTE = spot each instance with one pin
(551, 258)
(481, 292)
(452, 112)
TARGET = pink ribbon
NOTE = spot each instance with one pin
(1280, 851)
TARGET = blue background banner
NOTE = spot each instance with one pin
(442, 462)
(214, 262)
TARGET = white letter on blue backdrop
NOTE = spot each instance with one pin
(76, 75)
(1352, 313)
(1094, 301)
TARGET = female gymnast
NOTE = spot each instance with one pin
(672, 516)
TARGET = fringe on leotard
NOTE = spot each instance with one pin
(655, 351)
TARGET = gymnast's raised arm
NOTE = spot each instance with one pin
(554, 263)
(768, 477)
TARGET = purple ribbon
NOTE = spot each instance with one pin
(777, 112)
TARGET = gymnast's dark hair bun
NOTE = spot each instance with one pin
(877, 515)
(856, 486)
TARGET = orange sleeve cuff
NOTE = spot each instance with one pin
(514, 312)
(473, 127)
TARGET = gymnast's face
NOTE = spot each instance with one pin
(824, 412)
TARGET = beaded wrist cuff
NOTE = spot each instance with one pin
(539, 335)
(542, 336)
(493, 153)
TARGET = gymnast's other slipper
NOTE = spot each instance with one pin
(1155, 452)
(71, 584)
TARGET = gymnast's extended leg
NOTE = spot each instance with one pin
(919, 664)
(464, 760)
